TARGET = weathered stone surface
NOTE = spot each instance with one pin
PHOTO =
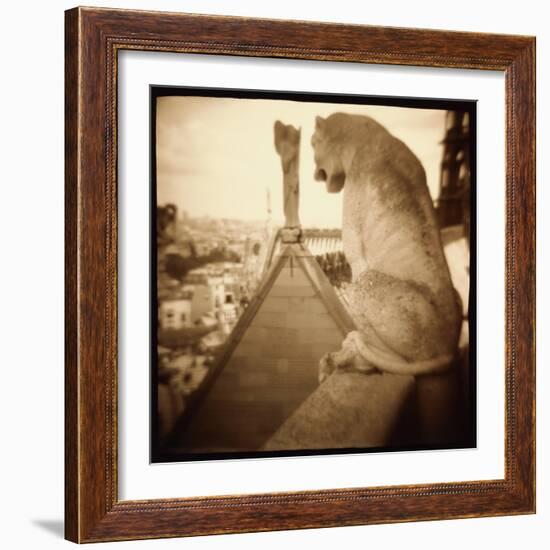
(349, 410)
(401, 296)
(441, 408)
(287, 145)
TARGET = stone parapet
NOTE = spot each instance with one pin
(349, 410)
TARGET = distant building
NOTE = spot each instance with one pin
(453, 203)
(217, 288)
(202, 302)
(196, 277)
(209, 288)
(175, 313)
(167, 287)
(230, 312)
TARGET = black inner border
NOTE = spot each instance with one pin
(157, 453)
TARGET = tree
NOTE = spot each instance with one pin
(177, 266)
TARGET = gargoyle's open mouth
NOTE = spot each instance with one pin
(336, 182)
(320, 175)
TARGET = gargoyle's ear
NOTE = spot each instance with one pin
(319, 122)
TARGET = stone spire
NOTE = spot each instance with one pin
(287, 145)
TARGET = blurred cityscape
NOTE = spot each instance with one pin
(207, 273)
(207, 270)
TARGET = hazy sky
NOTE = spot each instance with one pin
(216, 156)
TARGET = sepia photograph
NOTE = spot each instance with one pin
(313, 272)
(299, 277)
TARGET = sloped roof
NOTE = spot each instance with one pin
(269, 364)
(316, 241)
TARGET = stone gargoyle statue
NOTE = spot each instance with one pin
(401, 295)
(287, 145)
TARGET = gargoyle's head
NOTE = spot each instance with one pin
(326, 150)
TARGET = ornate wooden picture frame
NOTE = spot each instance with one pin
(94, 38)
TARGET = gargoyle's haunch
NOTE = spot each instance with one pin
(401, 294)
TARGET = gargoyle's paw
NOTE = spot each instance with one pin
(326, 367)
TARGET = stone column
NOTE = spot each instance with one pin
(287, 145)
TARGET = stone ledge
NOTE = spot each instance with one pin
(349, 410)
